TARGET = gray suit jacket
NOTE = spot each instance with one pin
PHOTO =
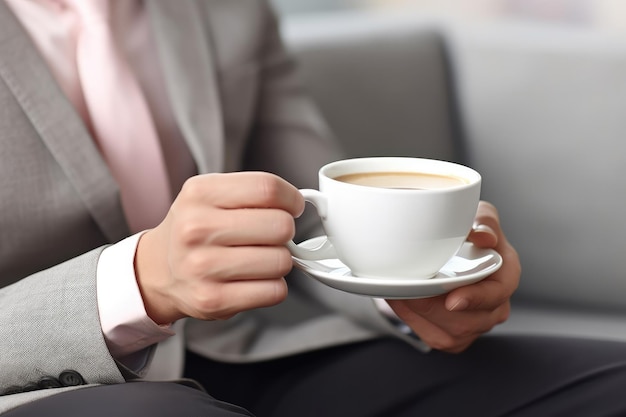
(234, 93)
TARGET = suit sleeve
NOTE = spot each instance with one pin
(49, 324)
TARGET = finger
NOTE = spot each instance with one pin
(459, 324)
(483, 236)
(486, 295)
(431, 333)
(219, 302)
(488, 215)
(245, 190)
(255, 227)
(491, 292)
(227, 264)
(236, 227)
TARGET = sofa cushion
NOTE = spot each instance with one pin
(382, 84)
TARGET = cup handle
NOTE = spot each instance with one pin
(323, 251)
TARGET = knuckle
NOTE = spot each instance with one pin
(192, 188)
(207, 229)
(283, 226)
(280, 291)
(195, 265)
(270, 188)
(190, 233)
(283, 261)
(210, 303)
(201, 187)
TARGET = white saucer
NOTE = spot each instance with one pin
(471, 264)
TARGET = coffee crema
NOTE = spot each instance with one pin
(403, 180)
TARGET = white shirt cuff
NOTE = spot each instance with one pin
(125, 324)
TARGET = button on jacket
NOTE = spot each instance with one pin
(67, 378)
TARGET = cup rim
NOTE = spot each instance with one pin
(399, 164)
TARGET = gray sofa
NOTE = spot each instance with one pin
(539, 111)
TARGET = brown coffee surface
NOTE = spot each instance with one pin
(403, 180)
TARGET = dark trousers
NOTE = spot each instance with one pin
(497, 376)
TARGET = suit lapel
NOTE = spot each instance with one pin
(26, 74)
(186, 56)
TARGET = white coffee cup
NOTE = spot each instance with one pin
(387, 232)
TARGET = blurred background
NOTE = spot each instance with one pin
(605, 15)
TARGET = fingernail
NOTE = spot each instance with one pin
(483, 228)
(460, 305)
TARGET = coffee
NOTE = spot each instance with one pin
(403, 180)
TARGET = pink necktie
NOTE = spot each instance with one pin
(120, 118)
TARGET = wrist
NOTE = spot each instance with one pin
(151, 272)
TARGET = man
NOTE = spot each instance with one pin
(97, 267)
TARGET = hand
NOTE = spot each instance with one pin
(451, 322)
(221, 248)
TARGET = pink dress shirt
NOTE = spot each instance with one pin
(126, 326)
